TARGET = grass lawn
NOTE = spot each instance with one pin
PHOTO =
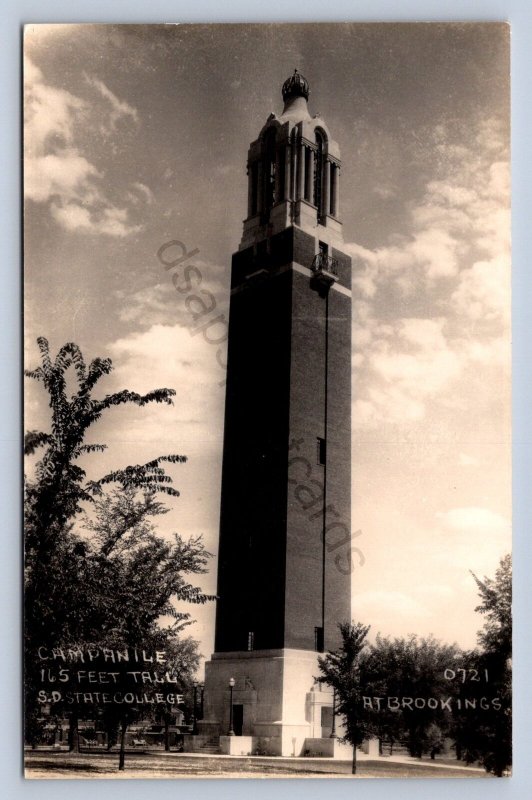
(159, 765)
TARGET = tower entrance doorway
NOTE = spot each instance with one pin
(238, 719)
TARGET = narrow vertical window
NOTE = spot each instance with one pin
(254, 187)
(318, 174)
(318, 639)
(269, 171)
(321, 451)
(308, 176)
(282, 173)
(332, 195)
(251, 640)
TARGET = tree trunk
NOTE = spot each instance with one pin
(111, 733)
(122, 757)
(354, 765)
(166, 735)
(73, 733)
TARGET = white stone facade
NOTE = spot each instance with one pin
(281, 701)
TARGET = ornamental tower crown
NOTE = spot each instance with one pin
(295, 86)
(293, 172)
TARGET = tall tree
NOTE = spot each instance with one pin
(496, 605)
(55, 496)
(406, 669)
(486, 734)
(135, 575)
(111, 584)
(341, 669)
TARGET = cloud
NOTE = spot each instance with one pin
(161, 303)
(416, 350)
(408, 362)
(109, 220)
(151, 305)
(474, 518)
(452, 269)
(144, 191)
(466, 206)
(475, 537)
(169, 355)
(64, 175)
(384, 192)
(118, 108)
(49, 113)
(56, 170)
(483, 291)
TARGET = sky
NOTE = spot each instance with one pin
(138, 135)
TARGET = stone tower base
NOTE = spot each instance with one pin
(278, 706)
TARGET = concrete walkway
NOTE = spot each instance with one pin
(418, 762)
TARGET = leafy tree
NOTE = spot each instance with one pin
(434, 738)
(137, 578)
(486, 733)
(54, 559)
(183, 662)
(60, 486)
(134, 575)
(382, 676)
(109, 582)
(496, 605)
(410, 668)
(341, 669)
(365, 676)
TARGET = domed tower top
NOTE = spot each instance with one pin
(295, 86)
(293, 172)
(295, 93)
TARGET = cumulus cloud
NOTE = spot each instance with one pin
(63, 175)
(475, 536)
(161, 303)
(454, 268)
(483, 291)
(169, 355)
(56, 170)
(151, 305)
(109, 220)
(408, 363)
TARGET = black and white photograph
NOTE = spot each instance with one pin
(267, 400)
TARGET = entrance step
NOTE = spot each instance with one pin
(211, 745)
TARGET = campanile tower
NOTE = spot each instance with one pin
(284, 562)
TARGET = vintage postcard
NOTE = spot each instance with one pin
(267, 401)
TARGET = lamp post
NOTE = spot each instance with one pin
(202, 697)
(194, 707)
(333, 731)
(231, 732)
